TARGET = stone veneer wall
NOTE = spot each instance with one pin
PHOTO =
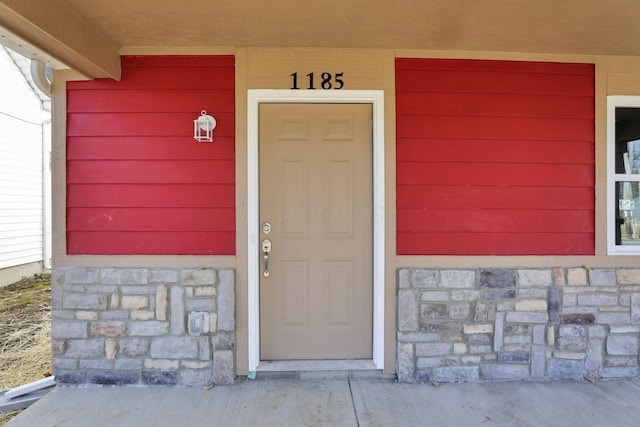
(515, 324)
(132, 326)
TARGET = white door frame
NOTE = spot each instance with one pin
(261, 96)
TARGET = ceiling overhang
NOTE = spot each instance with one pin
(88, 35)
(58, 34)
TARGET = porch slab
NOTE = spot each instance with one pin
(354, 402)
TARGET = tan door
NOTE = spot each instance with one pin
(316, 194)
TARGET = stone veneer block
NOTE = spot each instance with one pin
(457, 279)
(622, 345)
(165, 378)
(433, 349)
(554, 305)
(558, 277)
(223, 367)
(504, 372)
(514, 358)
(407, 310)
(134, 302)
(78, 301)
(538, 361)
(499, 332)
(112, 378)
(435, 296)
(582, 319)
(531, 305)
(424, 278)
(535, 278)
(147, 328)
(635, 308)
(405, 363)
(197, 277)
(433, 311)
(163, 276)
(404, 278)
(69, 329)
(108, 329)
(478, 329)
(162, 293)
(226, 301)
(595, 358)
(602, 277)
(527, 317)
(111, 348)
(598, 299)
(629, 276)
(496, 278)
(174, 348)
(177, 315)
(566, 369)
(124, 276)
(455, 374)
(576, 277)
(90, 348)
(81, 275)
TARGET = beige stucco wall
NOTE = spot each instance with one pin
(270, 68)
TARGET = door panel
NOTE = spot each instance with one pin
(316, 191)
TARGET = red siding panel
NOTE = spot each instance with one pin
(137, 181)
(150, 243)
(494, 157)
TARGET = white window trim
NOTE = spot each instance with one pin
(254, 99)
(613, 102)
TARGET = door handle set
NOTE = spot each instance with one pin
(266, 247)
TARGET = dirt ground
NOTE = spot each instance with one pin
(25, 334)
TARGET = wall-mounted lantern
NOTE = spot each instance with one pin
(203, 127)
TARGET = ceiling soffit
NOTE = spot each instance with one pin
(88, 34)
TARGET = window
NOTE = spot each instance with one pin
(623, 174)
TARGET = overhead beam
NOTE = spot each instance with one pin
(57, 29)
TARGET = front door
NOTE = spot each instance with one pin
(316, 282)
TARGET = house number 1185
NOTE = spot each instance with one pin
(326, 81)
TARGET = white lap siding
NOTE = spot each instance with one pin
(21, 169)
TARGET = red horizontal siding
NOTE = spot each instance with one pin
(521, 128)
(492, 197)
(481, 174)
(154, 171)
(151, 195)
(493, 66)
(467, 219)
(150, 243)
(147, 147)
(496, 151)
(144, 124)
(495, 243)
(151, 219)
(150, 100)
(137, 181)
(495, 105)
(494, 157)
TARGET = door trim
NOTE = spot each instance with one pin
(261, 96)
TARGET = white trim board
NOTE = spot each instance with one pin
(261, 96)
(614, 101)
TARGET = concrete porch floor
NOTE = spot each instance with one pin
(343, 402)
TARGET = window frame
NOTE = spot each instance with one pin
(613, 178)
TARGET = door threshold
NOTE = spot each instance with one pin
(316, 365)
(320, 369)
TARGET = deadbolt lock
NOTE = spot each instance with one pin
(266, 227)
